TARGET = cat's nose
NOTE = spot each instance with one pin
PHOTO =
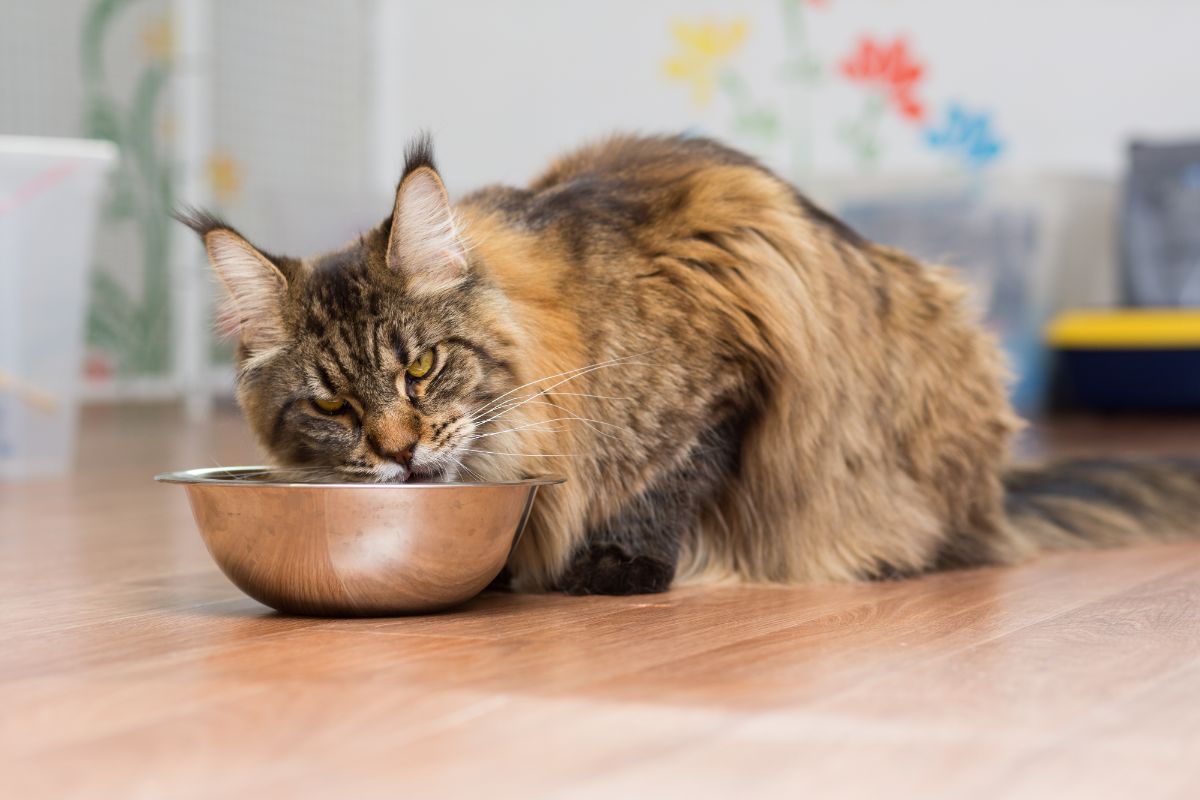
(404, 455)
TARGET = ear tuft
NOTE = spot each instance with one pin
(419, 153)
(425, 244)
(254, 288)
(199, 220)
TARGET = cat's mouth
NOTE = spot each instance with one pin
(386, 474)
(424, 476)
(394, 474)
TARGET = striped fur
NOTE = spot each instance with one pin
(737, 386)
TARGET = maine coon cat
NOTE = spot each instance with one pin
(736, 385)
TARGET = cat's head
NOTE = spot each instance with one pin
(369, 363)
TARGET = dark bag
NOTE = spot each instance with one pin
(1160, 225)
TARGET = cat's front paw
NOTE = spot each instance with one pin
(609, 569)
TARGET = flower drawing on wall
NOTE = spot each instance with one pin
(702, 49)
(890, 74)
(224, 177)
(889, 68)
(966, 136)
(776, 113)
(158, 39)
(129, 326)
(704, 55)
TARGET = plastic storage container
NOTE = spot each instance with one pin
(1129, 359)
(49, 192)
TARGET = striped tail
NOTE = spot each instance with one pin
(1103, 502)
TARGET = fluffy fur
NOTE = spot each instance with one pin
(736, 385)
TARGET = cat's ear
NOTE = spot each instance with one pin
(255, 288)
(425, 244)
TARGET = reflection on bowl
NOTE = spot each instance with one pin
(356, 549)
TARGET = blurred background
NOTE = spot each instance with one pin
(1048, 149)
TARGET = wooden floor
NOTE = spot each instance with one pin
(129, 667)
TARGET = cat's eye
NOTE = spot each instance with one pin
(420, 368)
(336, 406)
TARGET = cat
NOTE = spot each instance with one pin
(736, 385)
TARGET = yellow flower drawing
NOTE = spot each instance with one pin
(703, 48)
(158, 39)
(224, 176)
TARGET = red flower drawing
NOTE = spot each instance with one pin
(891, 67)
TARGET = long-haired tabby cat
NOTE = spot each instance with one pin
(736, 385)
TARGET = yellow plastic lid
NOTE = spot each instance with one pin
(1109, 329)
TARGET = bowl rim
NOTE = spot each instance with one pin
(206, 476)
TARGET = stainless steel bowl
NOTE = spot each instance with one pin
(356, 549)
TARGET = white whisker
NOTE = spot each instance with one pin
(596, 396)
(591, 423)
(571, 372)
(475, 476)
(547, 390)
(575, 416)
(546, 378)
(523, 427)
(522, 455)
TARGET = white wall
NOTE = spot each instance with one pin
(313, 102)
(504, 85)
(40, 90)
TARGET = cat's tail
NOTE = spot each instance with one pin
(1102, 502)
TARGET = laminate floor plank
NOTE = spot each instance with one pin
(130, 667)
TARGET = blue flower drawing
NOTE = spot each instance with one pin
(965, 135)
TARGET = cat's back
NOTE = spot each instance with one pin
(624, 184)
(646, 161)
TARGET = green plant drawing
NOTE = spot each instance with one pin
(133, 330)
(861, 134)
(751, 119)
(705, 49)
(802, 73)
(890, 76)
